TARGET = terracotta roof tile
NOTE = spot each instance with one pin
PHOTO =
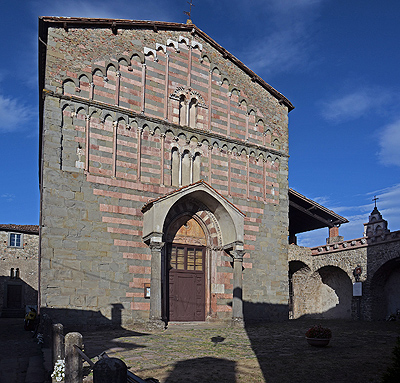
(27, 229)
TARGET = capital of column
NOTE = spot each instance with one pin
(156, 245)
(237, 255)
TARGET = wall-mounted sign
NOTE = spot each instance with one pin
(147, 290)
(357, 289)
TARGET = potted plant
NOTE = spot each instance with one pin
(318, 336)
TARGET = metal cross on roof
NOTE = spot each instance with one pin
(375, 199)
(190, 11)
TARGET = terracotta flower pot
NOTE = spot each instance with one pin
(318, 342)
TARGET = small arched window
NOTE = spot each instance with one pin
(192, 113)
(175, 166)
(182, 110)
(196, 167)
(186, 168)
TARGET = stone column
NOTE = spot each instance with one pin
(58, 342)
(73, 361)
(156, 247)
(237, 304)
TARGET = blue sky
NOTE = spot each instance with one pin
(337, 61)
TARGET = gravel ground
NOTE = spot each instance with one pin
(269, 352)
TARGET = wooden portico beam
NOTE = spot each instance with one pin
(313, 215)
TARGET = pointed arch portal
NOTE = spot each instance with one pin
(184, 229)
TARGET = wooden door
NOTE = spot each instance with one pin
(186, 283)
(14, 296)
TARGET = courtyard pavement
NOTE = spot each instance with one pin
(21, 358)
(270, 352)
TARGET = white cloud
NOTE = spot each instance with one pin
(8, 197)
(349, 106)
(13, 114)
(359, 102)
(389, 142)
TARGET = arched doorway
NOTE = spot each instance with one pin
(186, 270)
(298, 275)
(220, 227)
(385, 285)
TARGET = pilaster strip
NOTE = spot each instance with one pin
(114, 155)
(143, 87)
(139, 152)
(117, 87)
(189, 78)
(87, 143)
(209, 98)
(166, 98)
(162, 158)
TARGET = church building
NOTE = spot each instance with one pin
(163, 177)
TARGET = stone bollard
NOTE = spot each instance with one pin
(73, 361)
(110, 370)
(58, 342)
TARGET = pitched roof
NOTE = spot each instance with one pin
(306, 214)
(27, 229)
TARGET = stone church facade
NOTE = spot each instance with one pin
(163, 176)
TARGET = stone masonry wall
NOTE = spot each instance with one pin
(111, 122)
(377, 257)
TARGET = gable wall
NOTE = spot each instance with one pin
(107, 151)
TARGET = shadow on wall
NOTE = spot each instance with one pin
(90, 323)
(15, 295)
(85, 320)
